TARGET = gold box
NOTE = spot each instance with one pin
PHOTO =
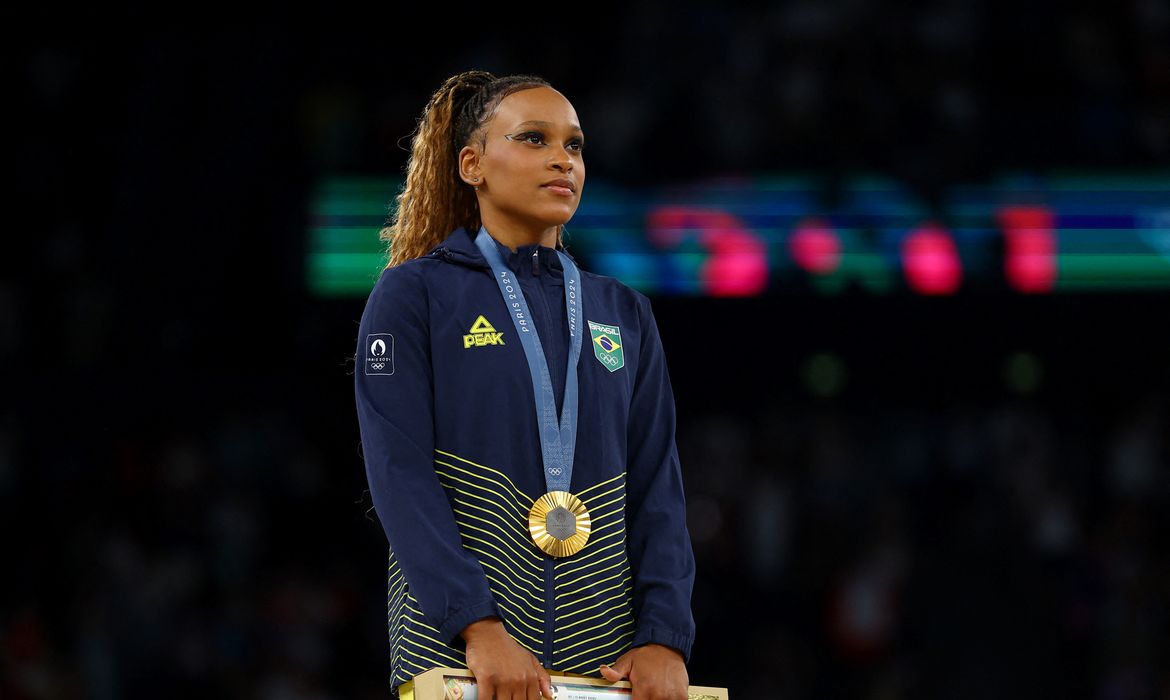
(459, 684)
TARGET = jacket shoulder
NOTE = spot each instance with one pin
(613, 285)
(624, 295)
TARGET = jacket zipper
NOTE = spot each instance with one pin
(548, 561)
(548, 612)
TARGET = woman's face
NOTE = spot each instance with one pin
(530, 164)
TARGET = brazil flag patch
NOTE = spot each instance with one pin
(607, 345)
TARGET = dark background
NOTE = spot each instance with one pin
(880, 506)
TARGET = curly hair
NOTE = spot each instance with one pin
(434, 201)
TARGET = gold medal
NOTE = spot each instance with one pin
(559, 523)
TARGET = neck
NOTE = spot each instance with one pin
(515, 235)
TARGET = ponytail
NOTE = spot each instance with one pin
(434, 200)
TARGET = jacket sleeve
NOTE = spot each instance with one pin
(659, 544)
(395, 404)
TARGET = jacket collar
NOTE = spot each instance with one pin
(460, 247)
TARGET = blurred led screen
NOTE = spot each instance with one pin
(794, 234)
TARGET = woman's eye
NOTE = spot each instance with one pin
(536, 138)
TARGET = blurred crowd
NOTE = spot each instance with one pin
(181, 486)
(1008, 550)
(932, 92)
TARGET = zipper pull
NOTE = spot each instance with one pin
(535, 262)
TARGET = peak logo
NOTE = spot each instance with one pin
(379, 354)
(482, 333)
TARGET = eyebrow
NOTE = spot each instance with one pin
(548, 125)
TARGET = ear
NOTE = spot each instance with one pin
(469, 166)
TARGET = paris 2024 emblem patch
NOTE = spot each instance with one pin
(607, 345)
(379, 354)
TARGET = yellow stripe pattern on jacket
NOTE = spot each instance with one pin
(591, 591)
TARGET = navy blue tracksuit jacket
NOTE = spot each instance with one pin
(453, 458)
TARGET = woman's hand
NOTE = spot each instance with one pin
(503, 669)
(655, 672)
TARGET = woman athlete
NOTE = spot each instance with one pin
(516, 417)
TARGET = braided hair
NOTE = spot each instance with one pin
(434, 200)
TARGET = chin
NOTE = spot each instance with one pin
(560, 215)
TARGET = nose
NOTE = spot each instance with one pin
(561, 160)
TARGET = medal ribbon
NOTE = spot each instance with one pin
(557, 440)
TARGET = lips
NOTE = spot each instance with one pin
(561, 186)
